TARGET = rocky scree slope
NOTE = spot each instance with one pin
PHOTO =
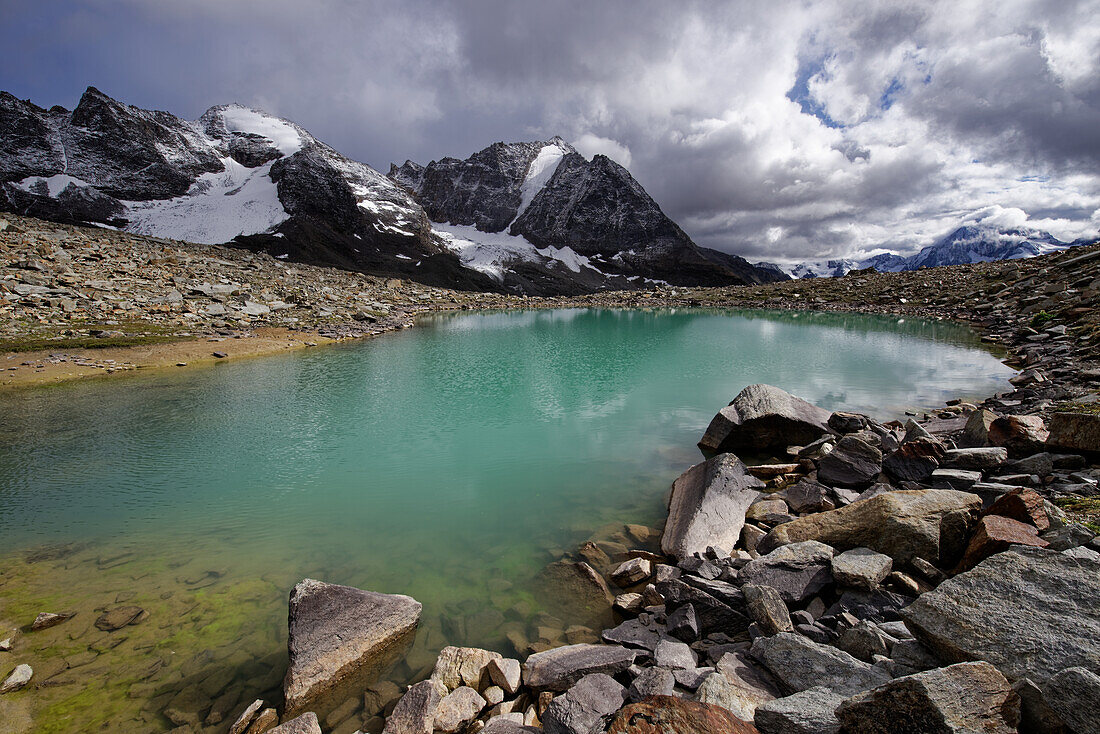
(234, 175)
(556, 213)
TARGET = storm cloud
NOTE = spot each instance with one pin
(777, 130)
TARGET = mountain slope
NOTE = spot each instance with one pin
(543, 205)
(234, 175)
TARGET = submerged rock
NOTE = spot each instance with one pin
(574, 591)
(337, 632)
(763, 417)
(1029, 611)
(708, 505)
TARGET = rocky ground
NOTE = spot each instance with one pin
(934, 576)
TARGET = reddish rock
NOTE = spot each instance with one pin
(1022, 435)
(671, 715)
(1023, 504)
(994, 534)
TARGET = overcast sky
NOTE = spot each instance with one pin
(776, 130)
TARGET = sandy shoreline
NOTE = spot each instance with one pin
(55, 366)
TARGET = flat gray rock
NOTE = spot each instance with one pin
(1030, 611)
(307, 723)
(801, 664)
(651, 682)
(673, 654)
(861, 568)
(976, 459)
(749, 684)
(807, 712)
(797, 571)
(560, 668)
(968, 697)
(585, 707)
(339, 632)
(708, 505)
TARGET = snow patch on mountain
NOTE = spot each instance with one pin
(493, 253)
(217, 208)
(54, 184)
(238, 118)
(539, 173)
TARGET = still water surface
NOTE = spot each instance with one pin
(449, 462)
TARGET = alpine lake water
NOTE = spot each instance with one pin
(450, 462)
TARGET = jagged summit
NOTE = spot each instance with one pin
(533, 217)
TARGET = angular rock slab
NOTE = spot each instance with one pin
(994, 534)
(558, 669)
(1075, 431)
(671, 715)
(853, 463)
(964, 698)
(708, 505)
(340, 633)
(1022, 435)
(1074, 695)
(861, 568)
(801, 664)
(1029, 611)
(574, 591)
(585, 706)
(807, 712)
(307, 723)
(900, 524)
(763, 417)
(797, 571)
(415, 711)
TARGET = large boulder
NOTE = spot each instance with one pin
(671, 715)
(561, 667)
(761, 418)
(340, 636)
(574, 591)
(853, 463)
(963, 698)
(707, 506)
(796, 571)
(1029, 611)
(799, 664)
(1075, 431)
(902, 525)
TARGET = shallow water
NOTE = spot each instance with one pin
(449, 462)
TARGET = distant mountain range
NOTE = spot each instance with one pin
(971, 243)
(532, 217)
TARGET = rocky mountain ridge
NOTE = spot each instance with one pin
(519, 203)
(241, 176)
(966, 244)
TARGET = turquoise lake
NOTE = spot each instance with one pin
(450, 462)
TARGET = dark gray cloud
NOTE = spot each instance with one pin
(780, 130)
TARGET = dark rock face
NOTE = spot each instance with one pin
(853, 463)
(594, 207)
(1073, 695)
(1029, 611)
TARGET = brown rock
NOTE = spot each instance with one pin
(264, 721)
(45, 620)
(1022, 435)
(915, 460)
(993, 535)
(1075, 431)
(671, 715)
(1025, 505)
